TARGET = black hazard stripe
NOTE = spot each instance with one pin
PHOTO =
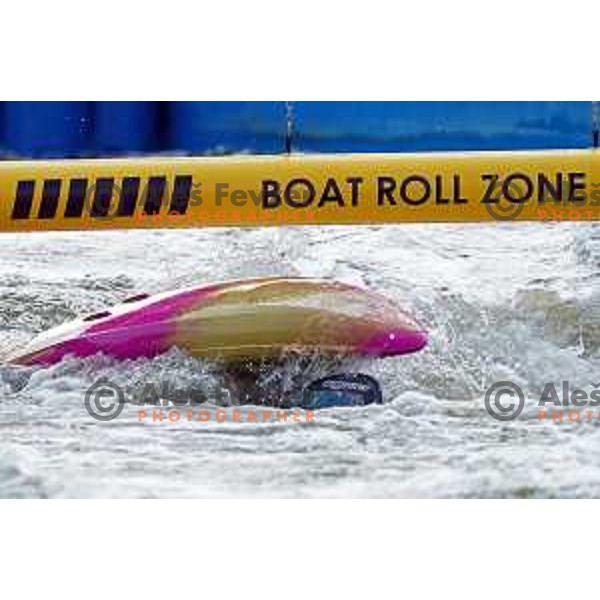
(76, 200)
(100, 194)
(130, 190)
(50, 196)
(154, 195)
(180, 198)
(103, 193)
(23, 199)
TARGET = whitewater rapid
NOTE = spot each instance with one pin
(517, 302)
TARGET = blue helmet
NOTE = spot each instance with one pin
(344, 389)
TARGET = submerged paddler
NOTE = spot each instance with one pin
(341, 389)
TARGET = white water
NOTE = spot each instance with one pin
(516, 302)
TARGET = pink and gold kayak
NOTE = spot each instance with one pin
(236, 321)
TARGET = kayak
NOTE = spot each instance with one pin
(236, 321)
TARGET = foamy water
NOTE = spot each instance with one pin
(515, 302)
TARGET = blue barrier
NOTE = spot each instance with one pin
(47, 129)
(53, 129)
(431, 126)
(125, 127)
(204, 127)
(3, 145)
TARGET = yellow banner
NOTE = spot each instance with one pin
(299, 189)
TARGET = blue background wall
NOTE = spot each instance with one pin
(52, 129)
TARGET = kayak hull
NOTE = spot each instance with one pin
(236, 321)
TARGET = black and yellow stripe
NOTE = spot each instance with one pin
(97, 197)
(297, 189)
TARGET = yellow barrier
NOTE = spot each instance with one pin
(299, 189)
